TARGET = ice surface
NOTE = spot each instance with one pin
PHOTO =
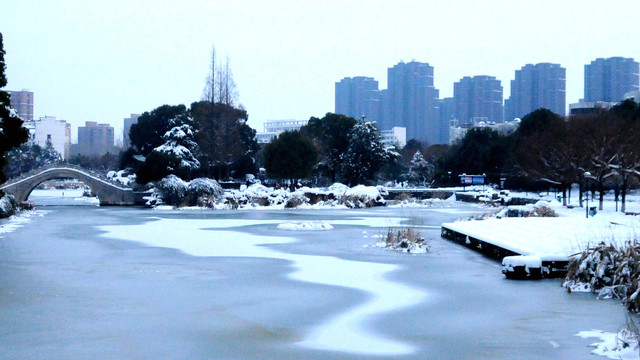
(347, 331)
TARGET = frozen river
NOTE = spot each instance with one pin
(85, 282)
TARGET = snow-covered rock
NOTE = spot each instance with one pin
(8, 206)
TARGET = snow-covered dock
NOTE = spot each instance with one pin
(552, 239)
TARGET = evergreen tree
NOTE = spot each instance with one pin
(12, 133)
(330, 135)
(26, 158)
(420, 169)
(290, 156)
(366, 154)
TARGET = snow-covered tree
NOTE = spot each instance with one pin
(420, 169)
(175, 156)
(26, 158)
(179, 145)
(366, 153)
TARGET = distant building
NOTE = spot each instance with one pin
(272, 128)
(95, 139)
(49, 129)
(126, 141)
(590, 107)
(358, 96)
(537, 86)
(609, 79)
(22, 101)
(397, 135)
(478, 97)
(411, 101)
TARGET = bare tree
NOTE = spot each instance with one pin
(209, 92)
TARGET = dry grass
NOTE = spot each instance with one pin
(405, 239)
(610, 271)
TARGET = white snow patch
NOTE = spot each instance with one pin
(305, 225)
(17, 221)
(622, 345)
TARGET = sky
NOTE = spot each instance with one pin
(89, 60)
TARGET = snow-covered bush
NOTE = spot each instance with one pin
(203, 191)
(172, 190)
(362, 197)
(409, 240)
(608, 271)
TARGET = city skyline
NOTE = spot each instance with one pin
(121, 58)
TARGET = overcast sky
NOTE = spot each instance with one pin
(103, 60)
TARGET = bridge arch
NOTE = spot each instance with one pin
(108, 193)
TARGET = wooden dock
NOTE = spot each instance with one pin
(550, 268)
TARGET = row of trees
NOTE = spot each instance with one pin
(336, 147)
(598, 151)
(206, 140)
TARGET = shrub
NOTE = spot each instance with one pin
(201, 191)
(172, 189)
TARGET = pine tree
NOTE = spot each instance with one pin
(420, 169)
(12, 133)
(366, 154)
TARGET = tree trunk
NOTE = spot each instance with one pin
(623, 191)
(580, 190)
(564, 195)
(600, 195)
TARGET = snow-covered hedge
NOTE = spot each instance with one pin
(608, 271)
(363, 197)
(177, 192)
(205, 192)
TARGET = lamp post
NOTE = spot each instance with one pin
(586, 182)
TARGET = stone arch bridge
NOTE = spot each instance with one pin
(108, 193)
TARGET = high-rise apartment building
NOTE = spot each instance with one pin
(358, 96)
(22, 101)
(411, 101)
(537, 86)
(126, 141)
(95, 139)
(609, 79)
(478, 98)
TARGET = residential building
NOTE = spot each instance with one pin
(542, 85)
(358, 96)
(49, 129)
(411, 101)
(478, 97)
(22, 102)
(396, 135)
(609, 79)
(95, 139)
(272, 128)
(133, 119)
